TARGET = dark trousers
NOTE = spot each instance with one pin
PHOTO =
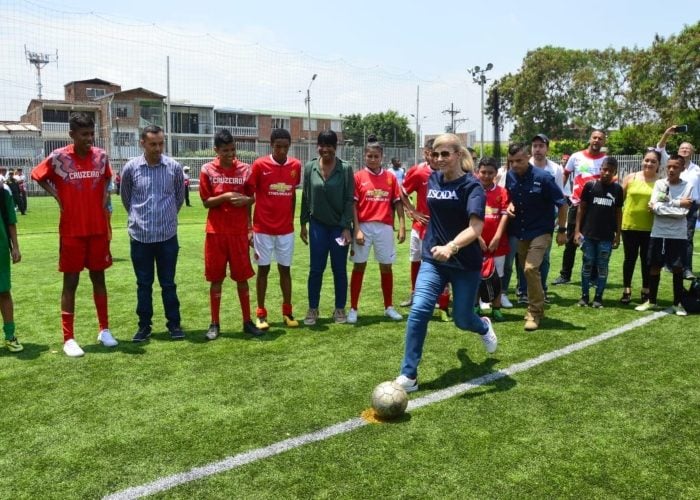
(692, 218)
(322, 244)
(635, 245)
(567, 263)
(164, 255)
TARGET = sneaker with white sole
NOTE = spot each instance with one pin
(484, 307)
(408, 302)
(647, 305)
(106, 338)
(352, 316)
(213, 332)
(679, 310)
(489, 338)
(505, 303)
(408, 384)
(311, 317)
(72, 349)
(339, 316)
(392, 313)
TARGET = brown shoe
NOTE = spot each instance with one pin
(531, 324)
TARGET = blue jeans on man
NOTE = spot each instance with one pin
(164, 255)
(596, 254)
(322, 242)
(430, 283)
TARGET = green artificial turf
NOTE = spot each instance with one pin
(616, 420)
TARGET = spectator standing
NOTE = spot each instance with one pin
(22, 185)
(9, 252)
(153, 191)
(398, 171)
(186, 175)
(327, 207)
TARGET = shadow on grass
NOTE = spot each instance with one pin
(124, 347)
(31, 351)
(469, 371)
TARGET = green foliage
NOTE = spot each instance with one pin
(566, 146)
(564, 93)
(389, 127)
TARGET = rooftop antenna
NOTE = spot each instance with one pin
(39, 60)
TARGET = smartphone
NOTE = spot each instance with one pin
(680, 128)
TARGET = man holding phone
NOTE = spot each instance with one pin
(691, 175)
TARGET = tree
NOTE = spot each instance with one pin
(389, 127)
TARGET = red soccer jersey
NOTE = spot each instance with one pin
(497, 201)
(214, 180)
(375, 195)
(416, 181)
(81, 185)
(274, 186)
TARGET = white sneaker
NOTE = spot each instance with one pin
(352, 316)
(408, 384)
(680, 310)
(505, 303)
(489, 338)
(105, 336)
(485, 307)
(392, 313)
(72, 349)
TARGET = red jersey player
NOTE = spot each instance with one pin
(273, 180)
(376, 197)
(78, 176)
(221, 187)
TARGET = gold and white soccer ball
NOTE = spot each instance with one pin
(389, 400)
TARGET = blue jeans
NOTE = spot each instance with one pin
(321, 243)
(596, 253)
(164, 255)
(429, 284)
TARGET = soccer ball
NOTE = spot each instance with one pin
(389, 400)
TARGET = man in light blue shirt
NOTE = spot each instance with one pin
(152, 191)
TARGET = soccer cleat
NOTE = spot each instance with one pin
(679, 310)
(13, 345)
(339, 316)
(72, 349)
(497, 315)
(408, 384)
(390, 312)
(142, 335)
(213, 332)
(505, 303)
(261, 323)
(408, 302)
(645, 306)
(583, 302)
(250, 328)
(311, 317)
(176, 333)
(561, 280)
(289, 321)
(352, 316)
(105, 337)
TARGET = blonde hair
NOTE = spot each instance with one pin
(454, 141)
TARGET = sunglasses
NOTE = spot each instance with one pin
(440, 154)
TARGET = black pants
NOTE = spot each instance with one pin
(635, 245)
(567, 263)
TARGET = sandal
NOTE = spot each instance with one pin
(626, 297)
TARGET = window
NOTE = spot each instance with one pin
(278, 122)
(314, 124)
(124, 139)
(55, 115)
(247, 121)
(123, 110)
(92, 93)
(336, 125)
(185, 123)
(152, 112)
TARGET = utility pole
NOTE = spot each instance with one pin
(308, 111)
(480, 79)
(39, 61)
(452, 112)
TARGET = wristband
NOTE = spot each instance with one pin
(453, 247)
(561, 229)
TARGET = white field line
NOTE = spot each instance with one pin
(235, 461)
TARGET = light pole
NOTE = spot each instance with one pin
(308, 110)
(418, 136)
(480, 79)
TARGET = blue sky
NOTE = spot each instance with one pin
(407, 42)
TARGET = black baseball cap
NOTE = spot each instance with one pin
(541, 137)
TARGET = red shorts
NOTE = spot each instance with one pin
(223, 249)
(79, 252)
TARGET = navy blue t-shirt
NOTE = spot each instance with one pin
(451, 205)
(534, 195)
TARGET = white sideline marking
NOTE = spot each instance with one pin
(235, 461)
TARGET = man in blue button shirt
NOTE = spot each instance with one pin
(534, 195)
